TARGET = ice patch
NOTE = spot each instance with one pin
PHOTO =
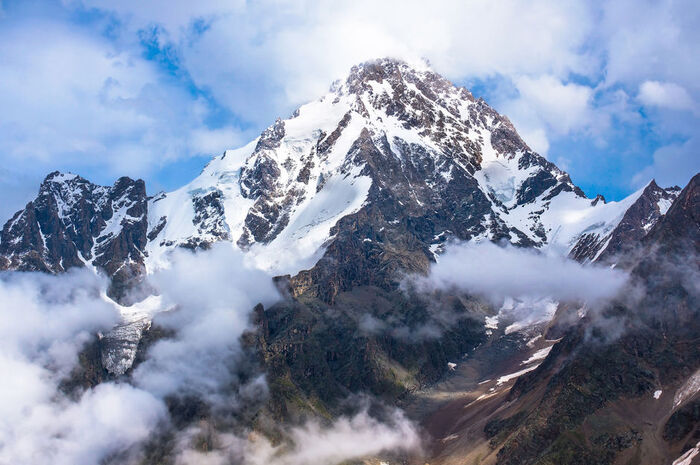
(491, 322)
(687, 458)
(121, 342)
(539, 355)
(526, 312)
(506, 378)
(689, 389)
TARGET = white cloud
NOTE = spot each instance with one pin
(347, 438)
(498, 273)
(105, 420)
(46, 320)
(78, 101)
(562, 107)
(44, 323)
(651, 40)
(289, 52)
(666, 95)
(213, 293)
(262, 59)
(536, 138)
(672, 164)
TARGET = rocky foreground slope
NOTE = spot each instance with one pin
(343, 199)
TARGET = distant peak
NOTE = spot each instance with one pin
(598, 198)
(58, 177)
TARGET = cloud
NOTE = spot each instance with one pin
(44, 322)
(176, 79)
(106, 420)
(290, 51)
(563, 107)
(673, 164)
(82, 102)
(213, 293)
(651, 40)
(498, 273)
(46, 319)
(546, 107)
(665, 95)
(345, 439)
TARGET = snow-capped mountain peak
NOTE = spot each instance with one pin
(388, 125)
(394, 158)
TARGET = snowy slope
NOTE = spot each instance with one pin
(279, 196)
(394, 138)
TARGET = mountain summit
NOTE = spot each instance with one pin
(376, 174)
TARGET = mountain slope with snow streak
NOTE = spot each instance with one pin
(279, 196)
(425, 159)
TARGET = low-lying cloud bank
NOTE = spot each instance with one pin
(212, 294)
(499, 272)
(46, 321)
(347, 438)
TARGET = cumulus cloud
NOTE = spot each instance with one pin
(651, 40)
(666, 95)
(212, 293)
(563, 107)
(44, 322)
(291, 51)
(498, 273)
(81, 102)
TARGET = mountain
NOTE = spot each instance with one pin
(390, 164)
(74, 223)
(601, 393)
(641, 213)
(343, 199)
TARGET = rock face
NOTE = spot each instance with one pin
(636, 222)
(598, 396)
(74, 223)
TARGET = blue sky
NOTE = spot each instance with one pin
(608, 91)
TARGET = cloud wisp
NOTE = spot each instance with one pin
(499, 272)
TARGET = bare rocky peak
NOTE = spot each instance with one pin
(73, 222)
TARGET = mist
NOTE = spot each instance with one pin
(500, 272)
(44, 322)
(347, 438)
(206, 304)
(212, 294)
